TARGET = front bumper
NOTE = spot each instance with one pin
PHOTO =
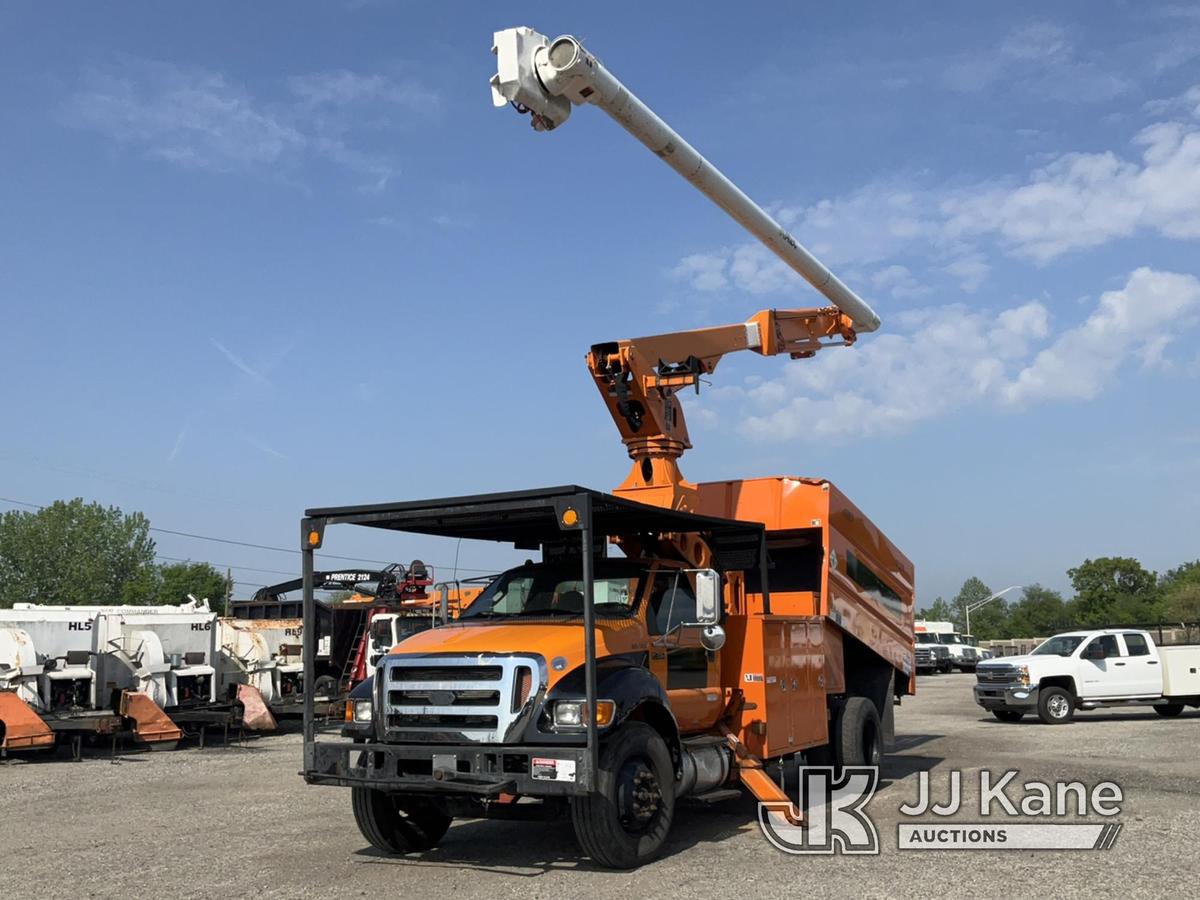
(482, 771)
(1007, 696)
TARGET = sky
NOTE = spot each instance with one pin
(256, 258)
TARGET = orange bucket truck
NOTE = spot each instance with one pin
(671, 639)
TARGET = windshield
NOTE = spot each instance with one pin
(949, 639)
(554, 589)
(926, 638)
(1062, 645)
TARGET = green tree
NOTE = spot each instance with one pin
(1181, 593)
(72, 552)
(200, 579)
(1041, 612)
(939, 611)
(1114, 590)
(1188, 573)
(987, 622)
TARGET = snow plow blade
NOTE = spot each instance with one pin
(20, 727)
(150, 724)
(255, 714)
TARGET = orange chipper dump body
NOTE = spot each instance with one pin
(840, 593)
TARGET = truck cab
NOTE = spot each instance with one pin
(960, 651)
(1087, 670)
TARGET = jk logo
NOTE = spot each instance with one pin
(835, 820)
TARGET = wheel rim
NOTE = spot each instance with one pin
(639, 796)
(1058, 706)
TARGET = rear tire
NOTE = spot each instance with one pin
(625, 822)
(1168, 710)
(1056, 706)
(1008, 715)
(860, 738)
(396, 824)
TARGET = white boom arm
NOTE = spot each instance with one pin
(545, 77)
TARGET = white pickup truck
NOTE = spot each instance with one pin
(1087, 670)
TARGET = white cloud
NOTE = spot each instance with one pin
(705, 272)
(898, 281)
(1135, 321)
(340, 88)
(201, 119)
(941, 359)
(1038, 59)
(1073, 202)
(1083, 200)
(193, 118)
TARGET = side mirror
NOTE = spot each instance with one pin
(708, 597)
(1093, 651)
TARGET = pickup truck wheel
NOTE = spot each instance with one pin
(1168, 710)
(1008, 715)
(859, 735)
(624, 823)
(397, 824)
(1056, 706)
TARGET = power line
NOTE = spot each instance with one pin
(205, 537)
(217, 565)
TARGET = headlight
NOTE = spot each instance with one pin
(570, 713)
(1023, 674)
(358, 710)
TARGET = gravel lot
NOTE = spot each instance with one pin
(238, 821)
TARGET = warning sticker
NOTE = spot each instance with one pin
(547, 769)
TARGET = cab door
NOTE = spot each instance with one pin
(1099, 675)
(1143, 674)
(690, 674)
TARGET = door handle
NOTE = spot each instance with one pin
(1152, 662)
(1118, 664)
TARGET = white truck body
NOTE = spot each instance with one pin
(1088, 670)
(86, 652)
(963, 653)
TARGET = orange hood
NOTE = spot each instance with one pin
(549, 640)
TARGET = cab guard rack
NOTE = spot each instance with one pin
(528, 520)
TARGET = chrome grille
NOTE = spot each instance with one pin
(473, 698)
(996, 674)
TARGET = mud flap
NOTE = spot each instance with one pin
(255, 714)
(20, 727)
(150, 724)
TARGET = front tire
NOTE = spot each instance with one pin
(1168, 710)
(624, 823)
(1056, 706)
(396, 824)
(1008, 715)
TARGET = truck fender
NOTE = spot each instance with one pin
(1062, 681)
(364, 690)
(638, 696)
